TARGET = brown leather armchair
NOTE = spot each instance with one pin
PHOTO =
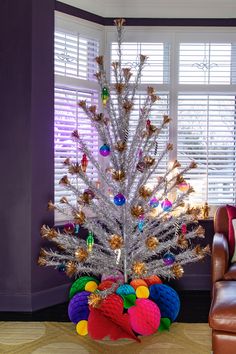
(222, 316)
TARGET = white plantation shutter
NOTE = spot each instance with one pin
(68, 117)
(75, 66)
(74, 56)
(156, 69)
(206, 129)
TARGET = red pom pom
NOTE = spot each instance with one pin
(105, 284)
(109, 320)
(153, 279)
(144, 317)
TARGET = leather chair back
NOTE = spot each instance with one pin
(221, 221)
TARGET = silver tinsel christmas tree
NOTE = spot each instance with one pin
(140, 231)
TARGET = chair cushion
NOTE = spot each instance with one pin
(222, 316)
(231, 273)
(231, 211)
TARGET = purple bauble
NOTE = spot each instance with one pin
(166, 205)
(154, 202)
(105, 150)
(168, 258)
(69, 228)
(119, 199)
(78, 307)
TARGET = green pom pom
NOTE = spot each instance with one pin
(164, 324)
(79, 285)
(129, 300)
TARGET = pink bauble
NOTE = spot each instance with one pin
(144, 317)
(118, 277)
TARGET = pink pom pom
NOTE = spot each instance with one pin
(144, 317)
(114, 277)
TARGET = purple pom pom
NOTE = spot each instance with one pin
(78, 307)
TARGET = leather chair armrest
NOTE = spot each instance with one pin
(220, 257)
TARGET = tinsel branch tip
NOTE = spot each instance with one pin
(119, 22)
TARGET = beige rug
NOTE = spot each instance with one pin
(61, 338)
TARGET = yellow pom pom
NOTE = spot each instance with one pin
(91, 286)
(142, 292)
(82, 328)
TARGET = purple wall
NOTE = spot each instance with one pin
(26, 145)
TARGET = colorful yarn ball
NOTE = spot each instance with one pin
(142, 292)
(125, 289)
(166, 299)
(80, 283)
(105, 150)
(78, 307)
(91, 286)
(144, 317)
(166, 205)
(138, 282)
(119, 199)
(153, 279)
(105, 284)
(82, 328)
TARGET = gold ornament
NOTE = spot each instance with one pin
(79, 217)
(81, 254)
(118, 175)
(205, 211)
(75, 134)
(193, 164)
(200, 231)
(139, 268)
(115, 242)
(145, 192)
(169, 147)
(93, 109)
(70, 268)
(176, 164)
(178, 270)
(182, 241)
(64, 200)
(127, 73)
(120, 146)
(98, 117)
(82, 104)
(66, 161)
(64, 180)
(99, 60)
(143, 58)
(127, 105)
(149, 161)
(166, 119)
(119, 88)
(150, 90)
(152, 242)
(51, 206)
(119, 22)
(137, 210)
(94, 300)
(201, 252)
(48, 233)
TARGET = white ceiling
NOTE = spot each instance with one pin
(158, 8)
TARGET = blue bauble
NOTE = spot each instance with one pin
(119, 199)
(105, 150)
(166, 205)
(61, 267)
(154, 202)
(169, 258)
(166, 299)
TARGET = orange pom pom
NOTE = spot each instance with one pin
(138, 282)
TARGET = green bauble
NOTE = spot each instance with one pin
(79, 285)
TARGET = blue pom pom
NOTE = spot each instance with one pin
(166, 299)
(125, 289)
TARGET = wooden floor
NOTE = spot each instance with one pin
(61, 338)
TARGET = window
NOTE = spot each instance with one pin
(75, 48)
(194, 71)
